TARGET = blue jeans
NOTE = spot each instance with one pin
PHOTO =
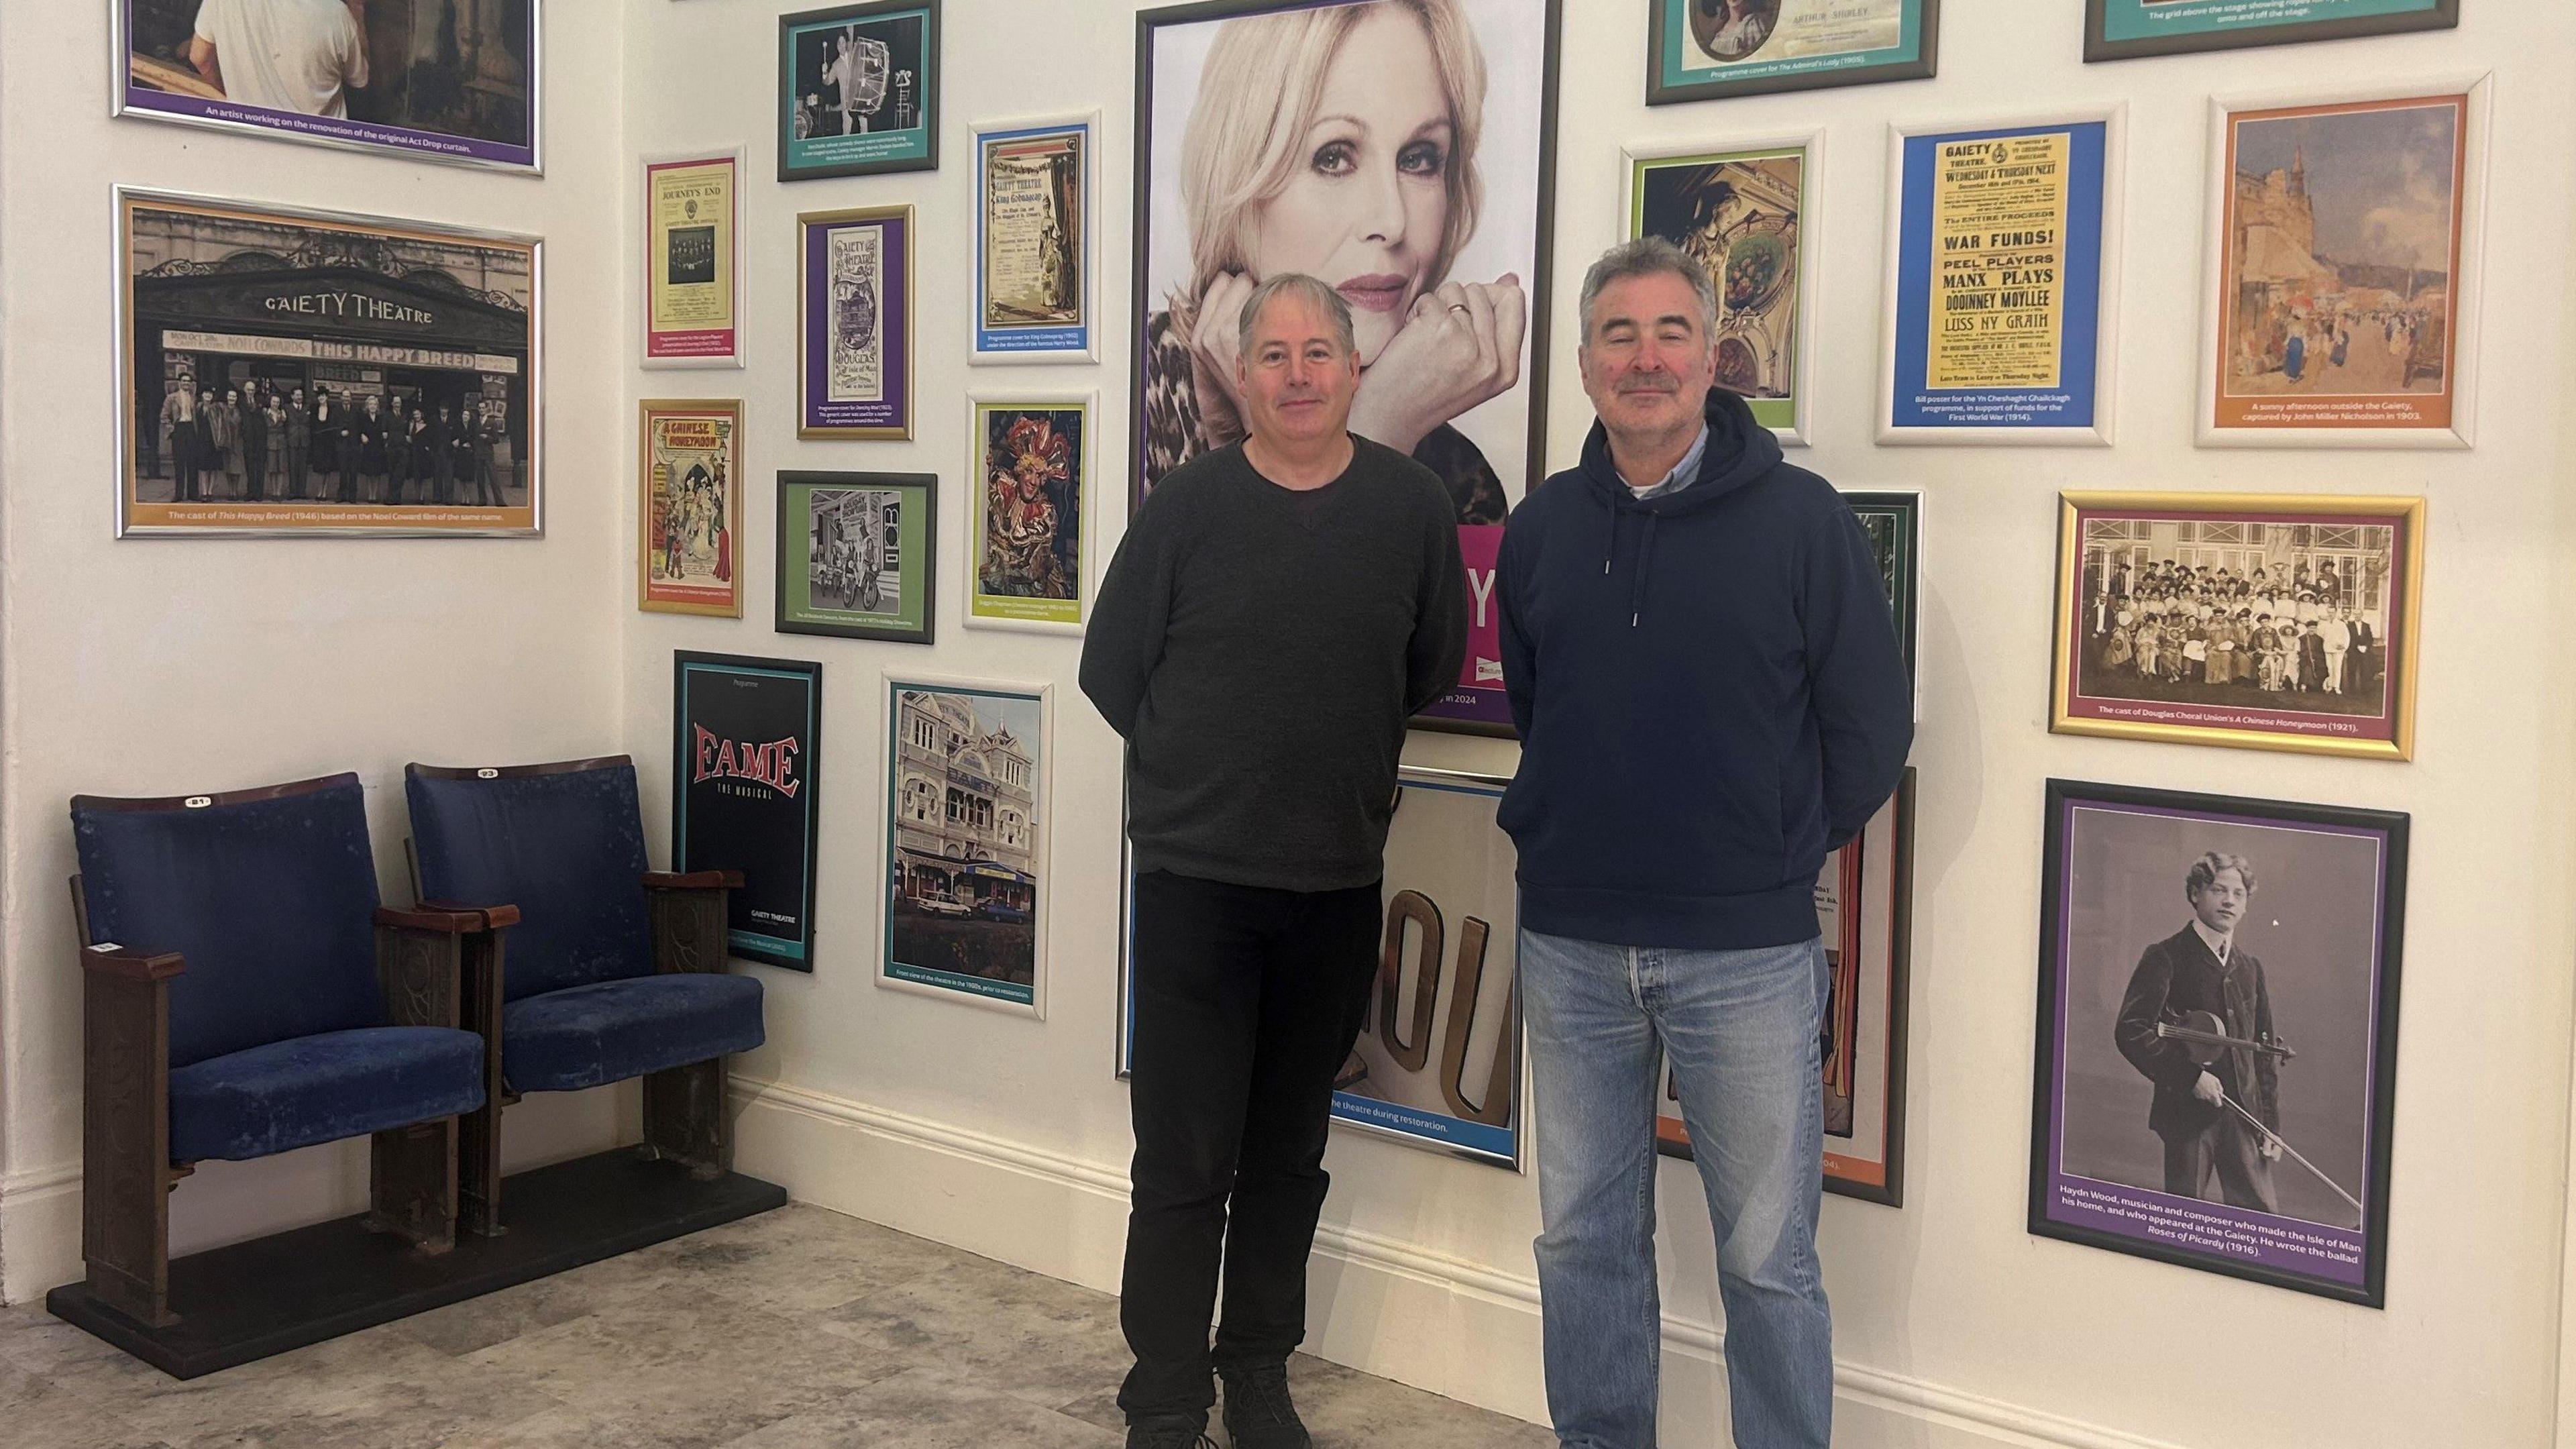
(1740, 1028)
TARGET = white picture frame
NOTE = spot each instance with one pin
(2467, 285)
(1798, 431)
(1060, 617)
(2101, 431)
(731, 256)
(1042, 345)
(900, 868)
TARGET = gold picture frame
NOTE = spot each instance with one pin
(673, 573)
(2152, 587)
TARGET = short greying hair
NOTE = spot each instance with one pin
(1649, 256)
(2206, 869)
(1296, 284)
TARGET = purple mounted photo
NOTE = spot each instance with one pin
(854, 323)
(2217, 1035)
(432, 80)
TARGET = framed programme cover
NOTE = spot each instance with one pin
(2119, 29)
(1030, 520)
(1746, 212)
(693, 260)
(1254, 156)
(965, 865)
(2340, 274)
(1865, 904)
(745, 743)
(2003, 261)
(1706, 50)
(1036, 275)
(2263, 621)
(858, 90)
(2217, 1036)
(854, 323)
(1893, 522)
(858, 555)
(407, 78)
(689, 507)
(292, 372)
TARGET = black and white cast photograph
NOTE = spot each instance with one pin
(435, 80)
(292, 371)
(2218, 1027)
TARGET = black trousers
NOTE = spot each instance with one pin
(1247, 1002)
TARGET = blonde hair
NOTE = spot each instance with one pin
(1258, 93)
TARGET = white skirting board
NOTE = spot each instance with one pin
(1461, 1329)
(40, 1230)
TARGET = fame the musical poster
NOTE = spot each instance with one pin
(2002, 252)
(745, 756)
(2217, 1033)
(693, 261)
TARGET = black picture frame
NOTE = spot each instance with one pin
(1660, 91)
(923, 156)
(744, 811)
(2052, 1214)
(1898, 548)
(2439, 15)
(918, 556)
(1477, 709)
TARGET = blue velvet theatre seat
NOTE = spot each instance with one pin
(614, 971)
(245, 996)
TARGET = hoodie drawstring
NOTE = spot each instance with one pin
(1645, 557)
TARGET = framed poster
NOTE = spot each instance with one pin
(2262, 621)
(401, 77)
(1745, 212)
(289, 373)
(1893, 523)
(2120, 29)
(1030, 519)
(1036, 280)
(965, 865)
(2217, 1039)
(693, 260)
(1706, 50)
(746, 738)
(2003, 252)
(688, 507)
(858, 555)
(854, 323)
(1865, 905)
(858, 90)
(1455, 299)
(2341, 271)
(1439, 1060)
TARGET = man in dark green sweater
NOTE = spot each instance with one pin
(1275, 613)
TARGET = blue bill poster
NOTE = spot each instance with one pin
(858, 90)
(745, 733)
(2119, 29)
(2000, 253)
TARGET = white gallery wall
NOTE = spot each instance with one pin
(1955, 1326)
(173, 665)
(163, 666)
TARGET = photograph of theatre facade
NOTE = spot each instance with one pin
(414, 326)
(965, 814)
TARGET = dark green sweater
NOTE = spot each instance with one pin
(1261, 649)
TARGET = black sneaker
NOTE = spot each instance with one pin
(1258, 1414)
(1169, 1434)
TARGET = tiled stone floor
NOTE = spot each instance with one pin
(796, 1329)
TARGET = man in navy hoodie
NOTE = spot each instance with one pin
(1710, 697)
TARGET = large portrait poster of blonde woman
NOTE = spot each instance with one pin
(1401, 151)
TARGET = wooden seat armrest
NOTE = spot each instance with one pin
(454, 920)
(494, 917)
(110, 959)
(665, 880)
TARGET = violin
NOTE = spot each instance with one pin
(2204, 1036)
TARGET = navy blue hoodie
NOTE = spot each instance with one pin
(1709, 693)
